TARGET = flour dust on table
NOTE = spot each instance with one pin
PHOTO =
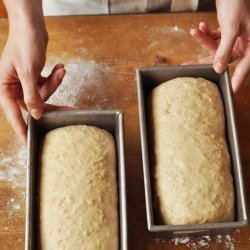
(203, 242)
(12, 166)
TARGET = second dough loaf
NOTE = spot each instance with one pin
(192, 173)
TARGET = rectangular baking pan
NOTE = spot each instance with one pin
(110, 120)
(147, 79)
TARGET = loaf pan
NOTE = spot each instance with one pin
(110, 120)
(147, 79)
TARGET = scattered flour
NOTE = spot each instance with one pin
(12, 171)
(219, 238)
(13, 166)
(193, 243)
(153, 44)
(201, 53)
(202, 242)
(175, 29)
(85, 85)
(229, 242)
(181, 240)
(13, 205)
(81, 74)
(172, 32)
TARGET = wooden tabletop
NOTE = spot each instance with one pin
(101, 54)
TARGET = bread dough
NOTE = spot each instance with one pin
(192, 173)
(78, 191)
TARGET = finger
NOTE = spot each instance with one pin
(22, 105)
(203, 26)
(42, 79)
(224, 51)
(240, 73)
(50, 107)
(46, 106)
(205, 41)
(31, 95)
(206, 60)
(14, 116)
(58, 66)
(52, 83)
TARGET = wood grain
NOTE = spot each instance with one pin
(101, 54)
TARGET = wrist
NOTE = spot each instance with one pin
(27, 13)
(26, 16)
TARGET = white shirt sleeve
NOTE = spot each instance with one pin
(88, 7)
(184, 5)
(75, 7)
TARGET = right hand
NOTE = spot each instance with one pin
(21, 83)
(230, 42)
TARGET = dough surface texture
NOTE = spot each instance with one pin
(191, 163)
(78, 190)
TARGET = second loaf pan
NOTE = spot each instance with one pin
(110, 120)
(147, 79)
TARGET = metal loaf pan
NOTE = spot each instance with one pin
(147, 79)
(110, 120)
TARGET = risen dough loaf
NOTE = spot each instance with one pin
(78, 192)
(193, 182)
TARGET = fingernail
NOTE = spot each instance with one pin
(219, 67)
(61, 65)
(36, 113)
(61, 75)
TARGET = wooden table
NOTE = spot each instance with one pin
(101, 55)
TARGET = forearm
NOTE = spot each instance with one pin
(25, 13)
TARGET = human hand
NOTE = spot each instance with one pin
(21, 83)
(230, 42)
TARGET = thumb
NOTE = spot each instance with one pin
(32, 98)
(224, 51)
